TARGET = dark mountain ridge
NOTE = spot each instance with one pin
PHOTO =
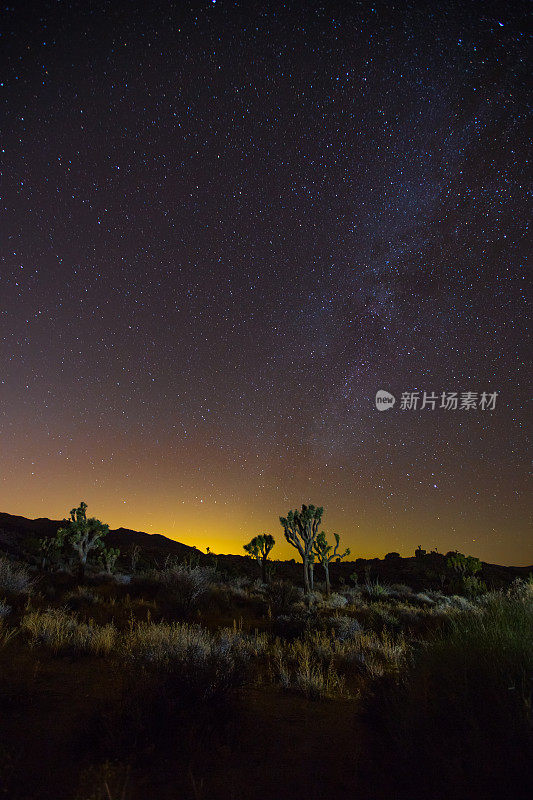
(16, 534)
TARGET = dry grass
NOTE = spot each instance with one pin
(6, 633)
(62, 633)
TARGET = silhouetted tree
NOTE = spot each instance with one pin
(134, 557)
(464, 571)
(259, 548)
(326, 553)
(108, 557)
(300, 529)
(83, 535)
(311, 567)
(463, 565)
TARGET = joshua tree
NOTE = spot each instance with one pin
(300, 529)
(326, 553)
(134, 557)
(108, 557)
(83, 535)
(50, 551)
(464, 570)
(311, 567)
(463, 565)
(259, 548)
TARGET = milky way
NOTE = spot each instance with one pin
(225, 226)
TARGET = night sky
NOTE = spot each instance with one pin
(224, 227)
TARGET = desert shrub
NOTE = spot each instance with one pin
(297, 623)
(298, 668)
(62, 633)
(197, 663)
(315, 682)
(336, 601)
(374, 590)
(314, 598)
(461, 603)
(471, 683)
(245, 645)
(239, 587)
(472, 586)
(380, 616)
(401, 589)
(122, 579)
(422, 598)
(81, 596)
(186, 587)
(520, 589)
(319, 664)
(322, 653)
(14, 578)
(282, 596)
(352, 595)
(344, 627)
(374, 654)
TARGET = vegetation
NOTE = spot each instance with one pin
(189, 678)
(83, 535)
(326, 553)
(259, 548)
(301, 529)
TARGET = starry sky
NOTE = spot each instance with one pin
(225, 226)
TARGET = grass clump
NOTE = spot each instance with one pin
(202, 664)
(6, 633)
(58, 630)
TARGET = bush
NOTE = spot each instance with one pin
(282, 596)
(81, 596)
(14, 578)
(336, 601)
(299, 622)
(197, 664)
(401, 589)
(344, 627)
(376, 590)
(471, 683)
(62, 633)
(373, 654)
(299, 669)
(473, 586)
(187, 587)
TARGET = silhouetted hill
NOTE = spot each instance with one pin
(17, 532)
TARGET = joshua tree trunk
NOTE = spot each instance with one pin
(306, 578)
(312, 576)
(264, 570)
(81, 571)
(328, 585)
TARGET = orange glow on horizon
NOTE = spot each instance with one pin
(224, 526)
